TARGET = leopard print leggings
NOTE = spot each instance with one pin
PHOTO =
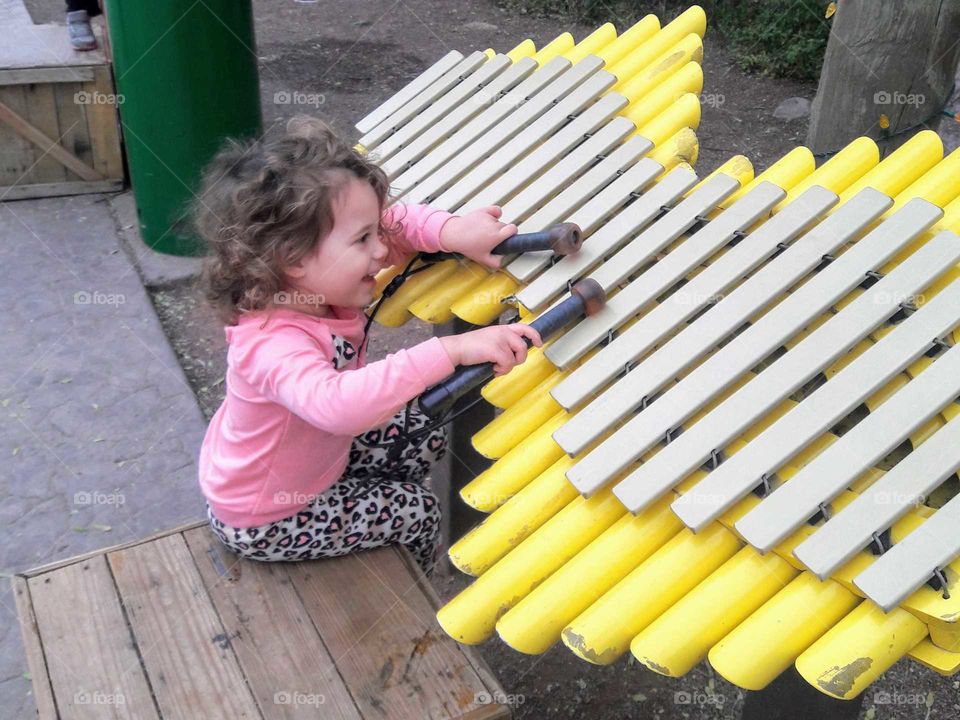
(377, 501)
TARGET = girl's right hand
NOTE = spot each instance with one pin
(501, 345)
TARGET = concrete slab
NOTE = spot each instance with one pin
(101, 430)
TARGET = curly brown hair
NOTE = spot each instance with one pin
(265, 204)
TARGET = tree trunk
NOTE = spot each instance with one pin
(885, 59)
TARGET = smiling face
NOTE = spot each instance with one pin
(340, 270)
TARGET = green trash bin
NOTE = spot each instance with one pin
(186, 72)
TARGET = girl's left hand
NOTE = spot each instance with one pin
(475, 234)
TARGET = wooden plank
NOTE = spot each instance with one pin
(381, 631)
(41, 112)
(33, 649)
(72, 120)
(94, 668)
(77, 187)
(17, 154)
(186, 653)
(103, 121)
(49, 567)
(286, 664)
(762, 393)
(28, 76)
(47, 144)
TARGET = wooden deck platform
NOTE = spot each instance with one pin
(177, 626)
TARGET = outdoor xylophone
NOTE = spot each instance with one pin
(748, 453)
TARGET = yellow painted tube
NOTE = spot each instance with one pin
(680, 638)
(682, 148)
(839, 172)
(518, 421)
(558, 46)
(535, 623)
(940, 185)
(773, 637)
(785, 173)
(951, 217)
(384, 277)
(629, 40)
(505, 390)
(484, 303)
(490, 53)
(501, 481)
(689, 49)
(524, 49)
(737, 167)
(688, 79)
(902, 167)
(393, 312)
(592, 43)
(515, 520)
(683, 113)
(693, 20)
(433, 306)
(471, 616)
(602, 633)
(858, 649)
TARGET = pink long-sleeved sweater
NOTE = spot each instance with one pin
(284, 430)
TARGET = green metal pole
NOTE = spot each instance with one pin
(187, 74)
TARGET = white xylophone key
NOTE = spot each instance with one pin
(886, 501)
(742, 352)
(564, 124)
(451, 79)
(900, 571)
(704, 289)
(828, 474)
(510, 121)
(569, 170)
(540, 79)
(593, 122)
(617, 176)
(408, 91)
(414, 149)
(621, 229)
(463, 92)
(662, 275)
(762, 393)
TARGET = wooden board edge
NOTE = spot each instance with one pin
(41, 190)
(40, 570)
(33, 648)
(473, 657)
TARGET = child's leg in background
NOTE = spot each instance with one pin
(378, 501)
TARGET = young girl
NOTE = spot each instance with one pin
(291, 466)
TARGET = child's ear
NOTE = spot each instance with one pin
(295, 271)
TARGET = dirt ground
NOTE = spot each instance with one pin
(348, 56)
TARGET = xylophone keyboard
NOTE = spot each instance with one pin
(749, 454)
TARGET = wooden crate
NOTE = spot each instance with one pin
(59, 124)
(177, 626)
